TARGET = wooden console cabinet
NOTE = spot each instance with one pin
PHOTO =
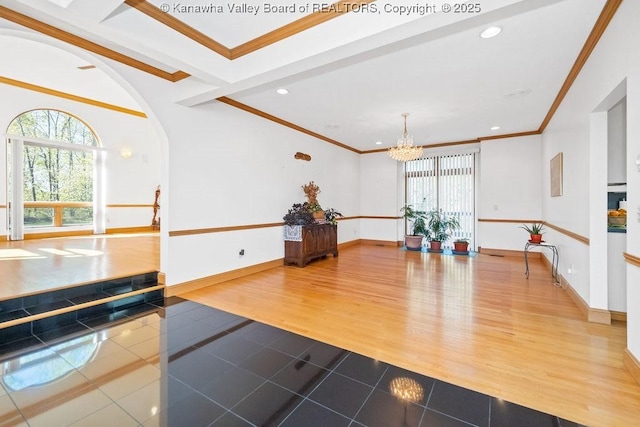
(318, 240)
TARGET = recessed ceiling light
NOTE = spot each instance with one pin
(490, 32)
(495, 127)
(378, 142)
(282, 91)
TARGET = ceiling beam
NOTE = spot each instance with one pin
(316, 18)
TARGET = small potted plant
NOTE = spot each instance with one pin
(417, 225)
(311, 190)
(331, 216)
(299, 214)
(535, 231)
(439, 228)
(461, 246)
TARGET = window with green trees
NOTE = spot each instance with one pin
(56, 179)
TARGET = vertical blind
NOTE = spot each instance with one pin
(446, 183)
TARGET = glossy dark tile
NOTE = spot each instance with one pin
(325, 355)
(260, 333)
(433, 418)
(196, 369)
(300, 377)
(383, 410)
(458, 402)
(62, 333)
(361, 368)
(269, 405)
(506, 414)
(195, 410)
(310, 414)
(214, 368)
(341, 394)
(292, 344)
(232, 386)
(6, 316)
(231, 420)
(266, 362)
(232, 348)
(398, 381)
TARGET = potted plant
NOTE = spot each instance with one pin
(461, 246)
(311, 190)
(439, 228)
(299, 214)
(417, 224)
(331, 216)
(535, 231)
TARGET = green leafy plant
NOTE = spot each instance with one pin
(461, 240)
(416, 219)
(314, 207)
(535, 228)
(331, 216)
(440, 226)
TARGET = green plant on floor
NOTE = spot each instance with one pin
(440, 226)
(416, 221)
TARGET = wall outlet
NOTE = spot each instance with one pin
(570, 269)
(495, 207)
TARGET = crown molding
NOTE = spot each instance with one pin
(56, 33)
(608, 11)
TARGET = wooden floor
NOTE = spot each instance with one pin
(475, 322)
(32, 266)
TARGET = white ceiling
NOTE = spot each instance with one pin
(349, 78)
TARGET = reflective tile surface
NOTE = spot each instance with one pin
(185, 364)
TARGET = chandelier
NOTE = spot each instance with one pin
(405, 150)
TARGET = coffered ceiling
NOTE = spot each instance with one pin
(350, 71)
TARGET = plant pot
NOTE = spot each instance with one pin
(461, 247)
(413, 243)
(435, 246)
(318, 216)
(535, 238)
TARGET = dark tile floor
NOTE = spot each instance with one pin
(185, 364)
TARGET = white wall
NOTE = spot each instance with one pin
(509, 188)
(136, 178)
(617, 147)
(225, 167)
(380, 196)
(614, 59)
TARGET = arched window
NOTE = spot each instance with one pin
(53, 125)
(57, 168)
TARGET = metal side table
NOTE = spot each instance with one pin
(554, 263)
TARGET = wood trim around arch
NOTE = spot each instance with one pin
(69, 96)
